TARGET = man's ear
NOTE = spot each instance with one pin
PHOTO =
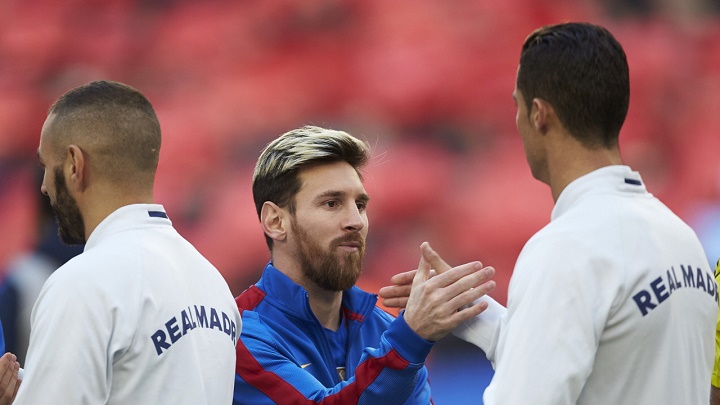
(540, 115)
(274, 221)
(77, 165)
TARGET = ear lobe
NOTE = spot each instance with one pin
(76, 165)
(272, 219)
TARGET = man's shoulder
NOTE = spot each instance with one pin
(101, 266)
(257, 314)
(268, 325)
(249, 299)
(79, 267)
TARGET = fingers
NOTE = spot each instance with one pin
(403, 278)
(395, 296)
(468, 296)
(8, 378)
(452, 276)
(466, 289)
(7, 363)
(470, 312)
(17, 387)
(470, 307)
(398, 302)
(423, 271)
(438, 304)
(433, 309)
(433, 258)
(407, 277)
(475, 278)
(395, 291)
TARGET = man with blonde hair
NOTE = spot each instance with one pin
(309, 335)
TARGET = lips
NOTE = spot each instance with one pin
(350, 241)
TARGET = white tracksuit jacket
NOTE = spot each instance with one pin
(140, 317)
(613, 302)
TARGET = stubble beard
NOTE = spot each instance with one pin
(71, 227)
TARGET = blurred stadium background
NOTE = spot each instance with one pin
(427, 83)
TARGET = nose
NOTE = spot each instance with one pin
(43, 189)
(355, 220)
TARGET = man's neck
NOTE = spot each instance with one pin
(326, 306)
(96, 206)
(571, 160)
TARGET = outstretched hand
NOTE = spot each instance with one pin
(9, 382)
(437, 305)
(397, 294)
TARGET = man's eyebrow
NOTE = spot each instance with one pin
(37, 152)
(338, 194)
(331, 193)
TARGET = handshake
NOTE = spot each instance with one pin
(436, 297)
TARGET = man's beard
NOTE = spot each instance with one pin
(71, 226)
(326, 268)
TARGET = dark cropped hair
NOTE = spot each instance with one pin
(276, 173)
(115, 121)
(582, 71)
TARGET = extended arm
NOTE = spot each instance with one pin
(481, 330)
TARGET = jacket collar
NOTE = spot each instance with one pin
(128, 217)
(293, 299)
(615, 179)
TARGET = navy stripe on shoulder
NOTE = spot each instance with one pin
(157, 214)
(633, 182)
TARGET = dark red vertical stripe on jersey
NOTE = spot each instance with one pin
(282, 392)
(352, 316)
(249, 298)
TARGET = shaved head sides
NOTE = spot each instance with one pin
(114, 124)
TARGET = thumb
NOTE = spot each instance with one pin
(423, 272)
(433, 258)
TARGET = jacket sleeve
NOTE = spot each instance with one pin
(388, 374)
(422, 394)
(555, 317)
(484, 329)
(67, 360)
